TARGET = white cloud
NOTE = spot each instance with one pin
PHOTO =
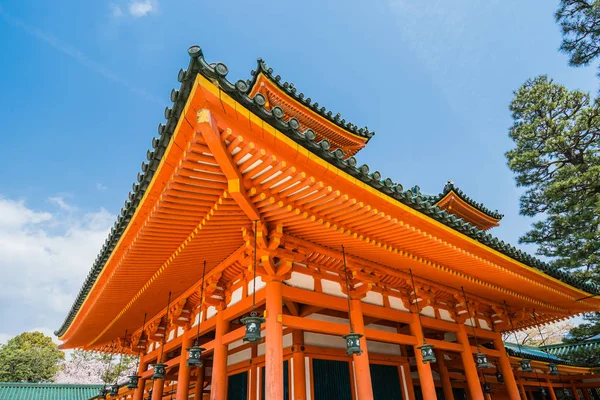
(61, 203)
(140, 9)
(101, 187)
(44, 258)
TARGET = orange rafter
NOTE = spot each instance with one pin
(454, 204)
(207, 127)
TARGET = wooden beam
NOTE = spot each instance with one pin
(207, 126)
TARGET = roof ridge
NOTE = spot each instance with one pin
(239, 91)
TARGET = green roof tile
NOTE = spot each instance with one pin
(47, 391)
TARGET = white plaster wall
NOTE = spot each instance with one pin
(397, 304)
(287, 340)
(446, 315)
(383, 348)
(320, 340)
(236, 296)
(484, 325)
(373, 298)
(180, 331)
(332, 288)
(428, 311)
(328, 318)
(197, 318)
(235, 344)
(301, 281)
(240, 356)
(259, 285)
(210, 312)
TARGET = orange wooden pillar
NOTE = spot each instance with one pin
(362, 370)
(469, 364)
(509, 377)
(138, 394)
(551, 392)
(424, 369)
(183, 376)
(299, 376)
(274, 342)
(199, 383)
(444, 376)
(219, 368)
(586, 393)
(157, 389)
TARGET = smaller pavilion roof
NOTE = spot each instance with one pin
(456, 201)
(47, 391)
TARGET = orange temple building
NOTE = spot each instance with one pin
(252, 200)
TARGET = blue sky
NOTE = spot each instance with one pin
(84, 85)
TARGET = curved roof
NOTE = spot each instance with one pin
(238, 91)
(450, 187)
(291, 91)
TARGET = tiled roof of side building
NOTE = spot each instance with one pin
(563, 349)
(238, 91)
(533, 353)
(47, 391)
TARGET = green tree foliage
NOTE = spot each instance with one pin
(557, 159)
(29, 357)
(580, 24)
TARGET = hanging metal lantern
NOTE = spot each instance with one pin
(102, 394)
(353, 343)
(526, 365)
(481, 360)
(194, 356)
(159, 371)
(252, 322)
(427, 353)
(487, 388)
(553, 369)
(499, 377)
(133, 382)
(543, 391)
(114, 390)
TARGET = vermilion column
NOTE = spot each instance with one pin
(219, 368)
(157, 389)
(509, 378)
(444, 376)
(183, 376)
(199, 383)
(586, 393)
(551, 390)
(274, 342)
(469, 364)
(298, 362)
(361, 362)
(138, 394)
(424, 369)
(522, 390)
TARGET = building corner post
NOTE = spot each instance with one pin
(274, 341)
